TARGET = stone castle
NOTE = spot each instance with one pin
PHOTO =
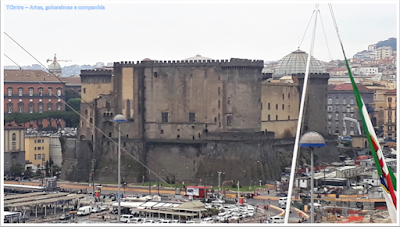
(187, 120)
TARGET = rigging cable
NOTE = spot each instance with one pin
(306, 29)
(326, 40)
(78, 112)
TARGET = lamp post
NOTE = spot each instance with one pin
(219, 182)
(119, 119)
(312, 139)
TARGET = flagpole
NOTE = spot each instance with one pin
(300, 120)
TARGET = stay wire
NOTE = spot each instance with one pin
(305, 32)
(93, 125)
(90, 105)
(326, 40)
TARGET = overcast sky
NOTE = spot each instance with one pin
(132, 31)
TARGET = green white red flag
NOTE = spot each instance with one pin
(387, 178)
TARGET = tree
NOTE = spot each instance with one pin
(17, 169)
(75, 103)
(71, 95)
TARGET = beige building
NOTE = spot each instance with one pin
(280, 107)
(37, 150)
(14, 138)
(389, 129)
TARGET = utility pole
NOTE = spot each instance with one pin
(93, 163)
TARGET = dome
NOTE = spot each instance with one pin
(198, 57)
(54, 66)
(296, 62)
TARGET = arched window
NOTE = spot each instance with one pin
(9, 91)
(14, 137)
(20, 91)
(59, 91)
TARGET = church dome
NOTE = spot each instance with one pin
(296, 62)
(54, 66)
(198, 57)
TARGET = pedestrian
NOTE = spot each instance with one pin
(268, 192)
(267, 207)
(260, 221)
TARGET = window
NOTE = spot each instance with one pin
(84, 90)
(390, 99)
(269, 117)
(276, 117)
(58, 106)
(288, 117)
(219, 103)
(352, 110)
(337, 117)
(283, 96)
(58, 91)
(39, 156)
(329, 116)
(219, 90)
(229, 101)
(50, 91)
(39, 141)
(229, 120)
(35, 154)
(329, 100)
(283, 106)
(337, 109)
(9, 91)
(276, 106)
(10, 108)
(164, 117)
(192, 117)
(337, 124)
(337, 100)
(269, 106)
(14, 145)
(329, 123)
(288, 95)
(30, 91)
(20, 91)
(43, 156)
(329, 108)
(30, 108)
(49, 106)
(14, 137)
(40, 91)
(344, 101)
(40, 107)
(21, 107)
(351, 101)
(344, 109)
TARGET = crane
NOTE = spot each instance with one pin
(55, 59)
(352, 120)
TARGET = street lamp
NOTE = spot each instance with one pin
(119, 119)
(219, 182)
(312, 139)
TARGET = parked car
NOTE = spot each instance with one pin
(96, 210)
(65, 217)
(135, 220)
(190, 222)
(282, 194)
(276, 219)
(126, 217)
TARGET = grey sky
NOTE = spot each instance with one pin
(132, 31)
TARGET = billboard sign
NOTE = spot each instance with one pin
(192, 191)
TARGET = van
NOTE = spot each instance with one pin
(84, 210)
(282, 200)
(276, 219)
(126, 217)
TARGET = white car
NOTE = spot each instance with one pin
(135, 220)
(148, 221)
(126, 217)
(276, 219)
(235, 217)
(96, 210)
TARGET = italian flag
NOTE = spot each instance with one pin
(387, 178)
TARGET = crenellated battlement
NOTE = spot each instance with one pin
(89, 72)
(232, 62)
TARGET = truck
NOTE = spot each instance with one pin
(84, 210)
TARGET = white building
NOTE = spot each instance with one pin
(55, 150)
(368, 70)
(383, 52)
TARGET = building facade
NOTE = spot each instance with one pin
(37, 150)
(390, 115)
(342, 112)
(14, 147)
(24, 94)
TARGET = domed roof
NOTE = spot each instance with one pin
(54, 66)
(198, 57)
(296, 62)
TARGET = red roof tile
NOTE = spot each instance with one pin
(347, 87)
